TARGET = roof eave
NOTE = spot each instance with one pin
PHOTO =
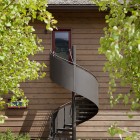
(78, 7)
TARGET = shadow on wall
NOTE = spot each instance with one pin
(37, 124)
(34, 122)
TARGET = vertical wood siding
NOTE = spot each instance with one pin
(45, 96)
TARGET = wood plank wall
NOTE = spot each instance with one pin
(45, 96)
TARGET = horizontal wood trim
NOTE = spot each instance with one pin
(102, 129)
(49, 95)
(109, 123)
(79, 57)
(54, 85)
(61, 91)
(46, 116)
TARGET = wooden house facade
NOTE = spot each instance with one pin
(84, 25)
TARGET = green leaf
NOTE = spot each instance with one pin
(8, 24)
(126, 99)
(17, 43)
(1, 58)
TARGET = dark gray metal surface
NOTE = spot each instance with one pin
(63, 117)
(61, 72)
(76, 79)
(84, 83)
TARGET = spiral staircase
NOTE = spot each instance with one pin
(84, 102)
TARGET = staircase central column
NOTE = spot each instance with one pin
(73, 117)
(73, 98)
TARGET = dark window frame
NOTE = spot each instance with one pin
(61, 30)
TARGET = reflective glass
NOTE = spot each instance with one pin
(62, 44)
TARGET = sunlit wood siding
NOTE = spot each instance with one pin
(45, 96)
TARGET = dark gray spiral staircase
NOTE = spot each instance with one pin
(84, 103)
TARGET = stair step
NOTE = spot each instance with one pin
(85, 113)
(84, 109)
(81, 117)
(85, 106)
(78, 122)
(68, 125)
(64, 129)
(84, 103)
(63, 136)
(81, 99)
(78, 96)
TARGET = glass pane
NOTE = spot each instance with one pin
(62, 44)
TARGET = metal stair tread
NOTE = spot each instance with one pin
(78, 122)
(68, 125)
(86, 108)
(84, 102)
(64, 129)
(77, 96)
(84, 113)
(81, 117)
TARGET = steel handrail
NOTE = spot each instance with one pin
(54, 54)
(60, 107)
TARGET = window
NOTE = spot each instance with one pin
(62, 43)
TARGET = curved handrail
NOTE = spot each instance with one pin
(60, 107)
(71, 62)
(74, 74)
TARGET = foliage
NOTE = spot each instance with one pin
(17, 42)
(115, 130)
(2, 118)
(121, 46)
(10, 136)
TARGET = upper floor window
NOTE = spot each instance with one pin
(62, 43)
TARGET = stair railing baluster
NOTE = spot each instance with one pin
(73, 96)
(73, 117)
(64, 116)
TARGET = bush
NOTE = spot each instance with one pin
(11, 136)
